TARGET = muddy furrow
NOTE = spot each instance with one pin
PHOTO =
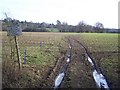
(99, 78)
(73, 69)
(62, 73)
(44, 83)
(49, 78)
(79, 73)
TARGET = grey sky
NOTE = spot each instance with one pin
(70, 11)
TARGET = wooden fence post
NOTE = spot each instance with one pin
(18, 52)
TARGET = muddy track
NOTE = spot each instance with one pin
(49, 79)
(78, 72)
(99, 78)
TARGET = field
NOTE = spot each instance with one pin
(46, 55)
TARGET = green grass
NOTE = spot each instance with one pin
(95, 42)
(107, 44)
(40, 55)
(52, 29)
(45, 55)
(39, 59)
(100, 42)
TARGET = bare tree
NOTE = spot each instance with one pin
(81, 26)
(99, 27)
(58, 25)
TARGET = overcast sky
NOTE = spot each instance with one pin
(70, 11)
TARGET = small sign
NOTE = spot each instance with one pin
(14, 29)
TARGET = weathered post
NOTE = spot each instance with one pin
(40, 44)
(18, 52)
(14, 30)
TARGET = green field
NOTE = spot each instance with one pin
(52, 30)
(103, 47)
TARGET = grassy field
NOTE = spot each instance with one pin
(43, 49)
(104, 48)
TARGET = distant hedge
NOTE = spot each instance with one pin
(35, 30)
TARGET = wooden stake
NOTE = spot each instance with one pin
(18, 53)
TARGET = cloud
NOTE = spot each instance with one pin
(71, 11)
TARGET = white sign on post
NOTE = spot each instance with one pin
(14, 29)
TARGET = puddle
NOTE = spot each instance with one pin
(98, 77)
(100, 80)
(89, 59)
(68, 60)
(59, 79)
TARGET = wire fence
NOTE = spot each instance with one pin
(35, 48)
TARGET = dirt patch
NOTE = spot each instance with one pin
(49, 81)
(79, 73)
(109, 64)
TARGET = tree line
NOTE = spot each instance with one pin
(61, 26)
